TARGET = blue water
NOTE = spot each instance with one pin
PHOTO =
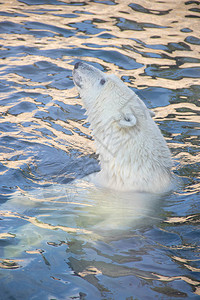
(64, 239)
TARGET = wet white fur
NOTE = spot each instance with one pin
(132, 151)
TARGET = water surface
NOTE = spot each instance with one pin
(61, 239)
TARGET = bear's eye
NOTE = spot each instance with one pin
(102, 81)
(127, 119)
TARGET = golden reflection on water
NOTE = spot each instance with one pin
(36, 222)
(186, 279)
(171, 33)
(179, 220)
(10, 264)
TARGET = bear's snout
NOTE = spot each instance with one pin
(83, 72)
(86, 67)
(79, 63)
(76, 76)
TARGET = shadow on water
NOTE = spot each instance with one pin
(65, 239)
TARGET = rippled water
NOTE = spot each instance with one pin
(69, 240)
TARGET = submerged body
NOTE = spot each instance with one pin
(132, 151)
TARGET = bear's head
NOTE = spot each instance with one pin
(109, 95)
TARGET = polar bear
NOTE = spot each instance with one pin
(133, 153)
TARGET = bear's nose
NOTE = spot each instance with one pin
(79, 63)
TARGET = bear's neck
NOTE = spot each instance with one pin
(130, 167)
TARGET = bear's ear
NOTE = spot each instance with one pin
(127, 120)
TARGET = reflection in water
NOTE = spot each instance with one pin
(67, 240)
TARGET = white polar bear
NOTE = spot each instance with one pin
(132, 151)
